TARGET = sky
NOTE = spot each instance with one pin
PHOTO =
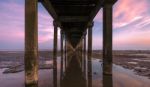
(131, 26)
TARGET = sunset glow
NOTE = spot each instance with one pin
(131, 25)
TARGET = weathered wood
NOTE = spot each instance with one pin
(73, 18)
(84, 56)
(107, 44)
(48, 6)
(31, 44)
(111, 2)
(65, 52)
(62, 58)
(90, 55)
(81, 52)
(96, 10)
(55, 55)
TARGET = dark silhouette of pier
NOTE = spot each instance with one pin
(75, 19)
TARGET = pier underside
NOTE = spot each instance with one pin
(75, 19)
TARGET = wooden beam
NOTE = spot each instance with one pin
(76, 30)
(95, 10)
(31, 43)
(110, 2)
(99, 4)
(48, 6)
(73, 18)
(74, 2)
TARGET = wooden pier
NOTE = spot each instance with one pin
(75, 19)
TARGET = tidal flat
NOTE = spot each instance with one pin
(130, 69)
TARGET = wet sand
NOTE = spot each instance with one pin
(130, 69)
(121, 77)
(138, 61)
(140, 66)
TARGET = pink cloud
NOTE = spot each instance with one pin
(128, 11)
(11, 36)
(145, 21)
(13, 8)
(99, 16)
(48, 34)
(131, 39)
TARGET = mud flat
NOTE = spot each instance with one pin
(138, 61)
(140, 65)
(121, 77)
(20, 67)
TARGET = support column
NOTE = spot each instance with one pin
(55, 55)
(107, 45)
(90, 55)
(65, 53)
(81, 52)
(62, 58)
(84, 55)
(31, 44)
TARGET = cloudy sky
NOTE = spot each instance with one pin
(131, 26)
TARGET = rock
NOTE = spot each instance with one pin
(14, 69)
(20, 68)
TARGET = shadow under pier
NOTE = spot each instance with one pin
(73, 76)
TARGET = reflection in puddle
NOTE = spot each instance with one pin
(121, 77)
(142, 60)
(134, 63)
